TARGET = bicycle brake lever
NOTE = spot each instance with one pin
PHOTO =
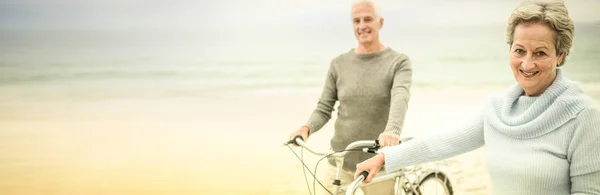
(370, 150)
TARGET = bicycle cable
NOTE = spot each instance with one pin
(305, 167)
(304, 171)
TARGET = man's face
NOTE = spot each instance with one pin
(366, 24)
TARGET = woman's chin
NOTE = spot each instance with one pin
(526, 84)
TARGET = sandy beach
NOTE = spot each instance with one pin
(221, 144)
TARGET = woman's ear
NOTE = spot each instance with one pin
(560, 59)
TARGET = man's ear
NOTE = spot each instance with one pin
(380, 23)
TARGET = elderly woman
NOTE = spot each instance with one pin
(542, 134)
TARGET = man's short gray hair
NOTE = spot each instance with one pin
(551, 13)
(372, 4)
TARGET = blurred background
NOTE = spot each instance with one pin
(188, 97)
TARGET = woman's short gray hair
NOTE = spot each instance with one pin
(551, 13)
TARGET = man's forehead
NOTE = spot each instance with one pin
(362, 13)
(362, 9)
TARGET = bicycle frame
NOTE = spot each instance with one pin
(409, 178)
(357, 183)
(365, 145)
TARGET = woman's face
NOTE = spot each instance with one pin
(533, 57)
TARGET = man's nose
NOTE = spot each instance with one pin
(362, 25)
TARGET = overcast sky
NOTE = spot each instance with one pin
(201, 14)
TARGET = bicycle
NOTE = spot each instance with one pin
(414, 180)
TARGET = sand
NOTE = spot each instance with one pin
(217, 144)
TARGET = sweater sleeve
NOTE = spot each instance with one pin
(583, 154)
(435, 147)
(400, 95)
(322, 113)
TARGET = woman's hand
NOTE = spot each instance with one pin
(371, 165)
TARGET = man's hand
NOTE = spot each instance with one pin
(371, 165)
(388, 139)
(303, 131)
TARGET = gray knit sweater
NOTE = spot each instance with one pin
(373, 94)
(548, 144)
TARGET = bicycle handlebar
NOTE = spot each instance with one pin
(369, 146)
(354, 185)
(293, 141)
(364, 175)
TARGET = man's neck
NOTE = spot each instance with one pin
(370, 48)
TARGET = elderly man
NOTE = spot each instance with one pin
(372, 84)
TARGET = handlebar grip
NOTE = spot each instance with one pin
(364, 174)
(293, 141)
(377, 142)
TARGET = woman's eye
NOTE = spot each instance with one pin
(519, 51)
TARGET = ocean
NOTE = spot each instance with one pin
(156, 63)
